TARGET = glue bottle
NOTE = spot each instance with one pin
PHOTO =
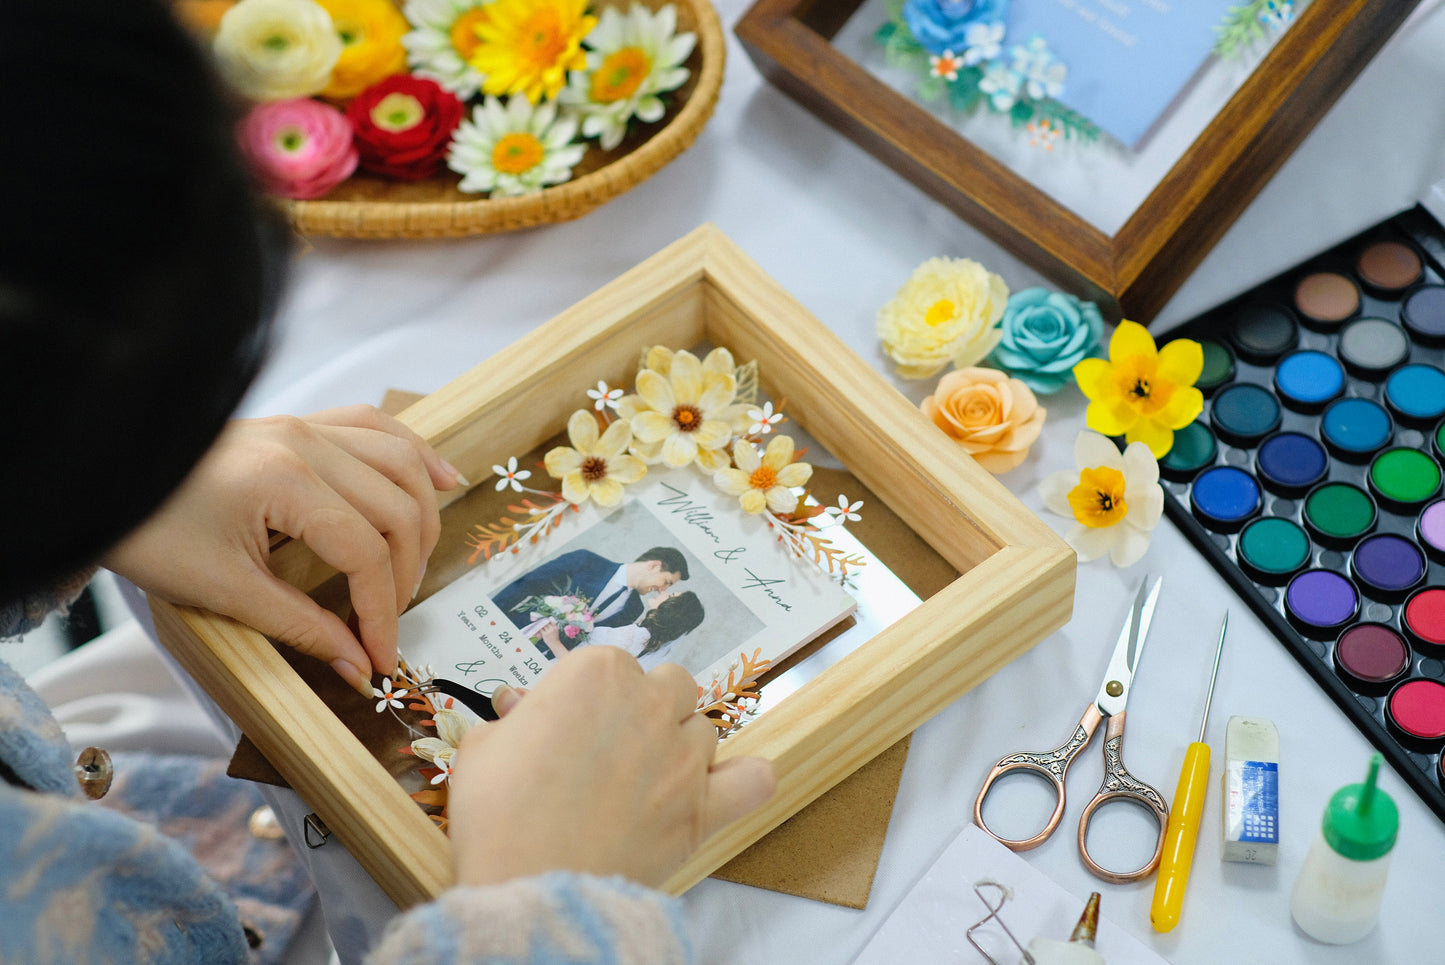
(1336, 897)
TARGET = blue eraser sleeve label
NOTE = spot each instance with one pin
(1253, 801)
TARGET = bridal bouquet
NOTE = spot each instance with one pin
(572, 613)
(508, 94)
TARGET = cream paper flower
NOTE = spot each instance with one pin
(633, 57)
(441, 750)
(1115, 499)
(514, 149)
(442, 41)
(595, 466)
(271, 50)
(764, 480)
(684, 411)
(948, 311)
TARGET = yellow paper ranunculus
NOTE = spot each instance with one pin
(948, 311)
(1141, 393)
(370, 32)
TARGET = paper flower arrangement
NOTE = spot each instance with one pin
(685, 411)
(957, 47)
(1114, 499)
(390, 87)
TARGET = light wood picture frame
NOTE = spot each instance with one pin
(1132, 272)
(1016, 581)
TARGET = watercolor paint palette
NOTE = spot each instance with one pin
(1312, 480)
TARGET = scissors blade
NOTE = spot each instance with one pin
(1114, 692)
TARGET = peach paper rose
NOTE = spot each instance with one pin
(995, 418)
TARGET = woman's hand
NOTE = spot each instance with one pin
(600, 769)
(551, 637)
(354, 484)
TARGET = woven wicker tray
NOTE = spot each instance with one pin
(367, 206)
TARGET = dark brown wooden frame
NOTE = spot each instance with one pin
(1134, 272)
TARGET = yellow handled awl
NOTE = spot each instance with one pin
(1183, 830)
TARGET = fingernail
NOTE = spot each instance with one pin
(453, 470)
(349, 672)
(420, 576)
(504, 698)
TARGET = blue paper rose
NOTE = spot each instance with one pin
(1045, 334)
(940, 25)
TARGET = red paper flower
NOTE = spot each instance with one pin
(403, 126)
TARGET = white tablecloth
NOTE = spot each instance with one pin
(841, 232)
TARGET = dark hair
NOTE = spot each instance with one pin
(137, 272)
(670, 619)
(672, 560)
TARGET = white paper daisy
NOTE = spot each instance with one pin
(443, 37)
(633, 57)
(514, 149)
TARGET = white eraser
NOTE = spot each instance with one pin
(1251, 790)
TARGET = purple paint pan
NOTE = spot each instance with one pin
(1387, 566)
(1319, 602)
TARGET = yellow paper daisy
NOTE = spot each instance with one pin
(1141, 393)
(370, 32)
(527, 46)
(766, 480)
(595, 466)
(684, 411)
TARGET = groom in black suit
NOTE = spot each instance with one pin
(615, 589)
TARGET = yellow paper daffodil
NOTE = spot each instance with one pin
(1142, 393)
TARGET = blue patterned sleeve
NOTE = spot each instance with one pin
(553, 918)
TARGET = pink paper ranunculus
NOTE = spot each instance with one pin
(297, 148)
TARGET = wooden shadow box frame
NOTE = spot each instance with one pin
(1016, 584)
(1131, 273)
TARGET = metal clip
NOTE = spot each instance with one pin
(314, 825)
(1002, 895)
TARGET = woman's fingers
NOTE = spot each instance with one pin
(734, 788)
(353, 484)
(678, 684)
(444, 475)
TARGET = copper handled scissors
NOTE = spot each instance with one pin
(1119, 784)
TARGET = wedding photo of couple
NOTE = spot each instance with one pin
(581, 598)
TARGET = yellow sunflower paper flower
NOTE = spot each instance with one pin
(1141, 393)
(595, 466)
(529, 45)
(764, 480)
(370, 32)
(444, 39)
(1114, 499)
(684, 411)
(948, 311)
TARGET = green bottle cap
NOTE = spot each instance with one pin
(1361, 820)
